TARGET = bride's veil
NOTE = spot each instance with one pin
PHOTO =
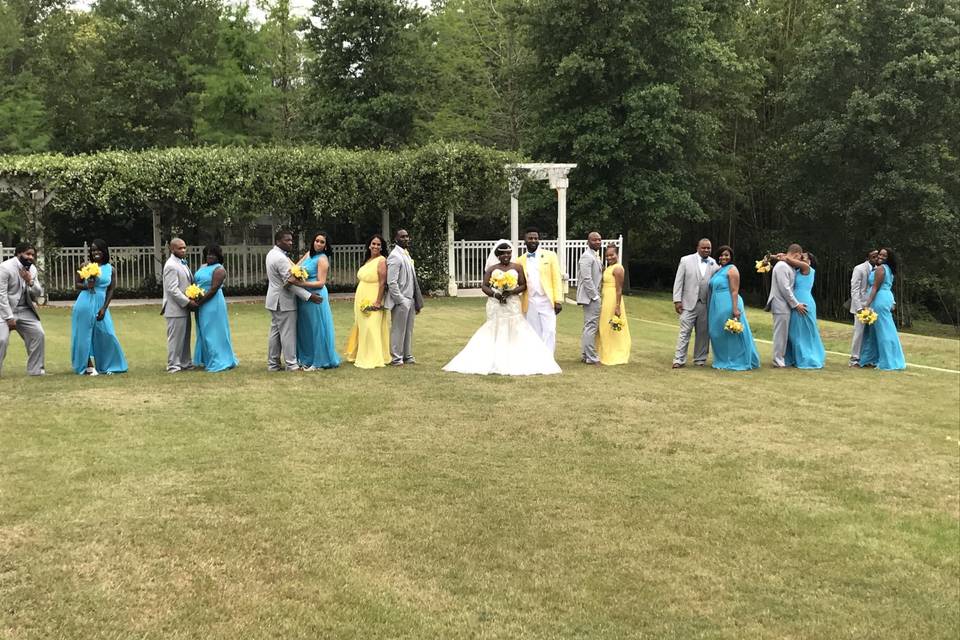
(492, 256)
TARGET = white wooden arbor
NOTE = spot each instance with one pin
(556, 176)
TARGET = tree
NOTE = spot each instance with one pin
(23, 126)
(284, 63)
(150, 78)
(636, 94)
(237, 89)
(479, 93)
(870, 155)
(364, 79)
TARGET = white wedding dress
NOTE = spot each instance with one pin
(506, 344)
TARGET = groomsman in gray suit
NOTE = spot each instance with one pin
(781, 301)
(859, 289)
(19, 287)
(690, 291)
(282, 294)
(177, 306)
(403, 299)
(590, 276)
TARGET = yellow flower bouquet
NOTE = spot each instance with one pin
(503, 280)
(89, 270)
(366, 306)
(867, 315)
(194, 292)
(498, 279)
(298, 272)
(733, 326)
(763, 266)
(616, 323)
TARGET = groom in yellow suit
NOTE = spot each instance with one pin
(543, 299)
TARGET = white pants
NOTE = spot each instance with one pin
(543, 319)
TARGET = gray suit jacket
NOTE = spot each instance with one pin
(281, 297)
(859, 287)
(590, 275)
(402, 284)
(781, 299)
(13, 288)
(176, 278)
(689, 287)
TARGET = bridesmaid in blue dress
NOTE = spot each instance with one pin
(804, 346)
(94, 347)
(214, 348)
(315, 337)
(733, 351)
(881, 343)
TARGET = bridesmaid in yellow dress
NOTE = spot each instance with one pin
(613, 346)
(368, 345)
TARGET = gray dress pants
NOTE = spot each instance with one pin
(693, 320)
(31, 331)
(588, 338)
(401, 332)
(178, 344)
(781, 331)
(857, 342)
(282, 339)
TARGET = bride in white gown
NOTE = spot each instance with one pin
(506, 344)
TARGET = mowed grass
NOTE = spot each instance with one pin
(624, 502)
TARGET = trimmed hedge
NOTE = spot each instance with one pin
(301, 186)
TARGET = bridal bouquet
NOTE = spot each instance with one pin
(764, 265)
(733, 326)
(89, 270)
(298, 272)
(503, 280)
(194, 292)
(867, 315)
(616, 323)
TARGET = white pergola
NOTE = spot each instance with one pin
(556, 176)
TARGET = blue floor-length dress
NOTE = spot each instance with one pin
(315, 336)
(214, 348)
(92, 338)
(734, 351)
(804, 346)
(881, 342)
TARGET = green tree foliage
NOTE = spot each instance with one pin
(635, 94)
(870, 153)
(478, 57)
(365, 81)
(284, 61)
(304, 187)
(237, 89)
(23, 118)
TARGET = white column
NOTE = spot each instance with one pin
(385, 225)
(515, 182)
(451, 261)
(157, 248)
(560, 184)
(40, 198)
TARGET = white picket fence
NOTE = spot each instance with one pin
(136, 266)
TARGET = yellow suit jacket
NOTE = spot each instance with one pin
(550, 277)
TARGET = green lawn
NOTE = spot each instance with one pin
(625, 502)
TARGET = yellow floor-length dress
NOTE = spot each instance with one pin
(612, 346)
(368, 345)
